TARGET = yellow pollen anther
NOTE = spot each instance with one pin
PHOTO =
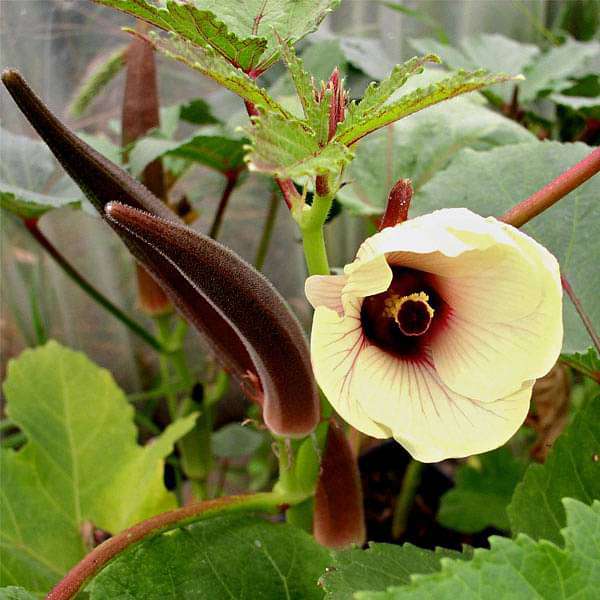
(408, 325)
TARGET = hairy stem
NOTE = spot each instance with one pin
(554, 191)
(89, 289)
(223, 202)
(404, 502)
(76, 578)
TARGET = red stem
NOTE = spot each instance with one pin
(232, 178)
(76, 578)
(554, 191)
(587, 322)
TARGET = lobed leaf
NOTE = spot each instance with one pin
(358, 125)
(275, 354)
(81, 464)
(518, 568)
(381, 566)
(377, 94)
(289, 148)
(214, 66)
(571, 470)
(201, 27)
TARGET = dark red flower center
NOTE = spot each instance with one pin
(403, 319)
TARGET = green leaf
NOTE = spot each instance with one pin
(588, 363)
(490, 51)
(572, 470)
(482, 490)
(555, 69)
(198, 112)
(379, 567)
(81, 464)
(15, 593)
(234, 556)
(408, 149)
(214, 66)
(377, 94)
(215, 151)
(288, 148)
(518, 568)
(201, 27)
(236, 441)
(289, 20)
(502, 177)
(30, 192)
(244, 33)
(362, 122)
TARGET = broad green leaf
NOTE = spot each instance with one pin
(482, 490)
(490, 51)
(587, 362)
(369, 55)
(215, 151)
(214, 66)
(572, 470)
(288, 148)
(418, 147)
(31, 181)
(201, 27)
(362, 122)
(81, 464)
(379, 567)
(15, 593)
(555, 69)
(520, 569)
(236, 441)
(219, 558)
(490, 183)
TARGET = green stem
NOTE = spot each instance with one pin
(88, 288)
(405, 500)
(162, 324)
(77, 577)
(265, 240)
(156, 393)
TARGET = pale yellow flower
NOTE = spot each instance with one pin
(437, 331)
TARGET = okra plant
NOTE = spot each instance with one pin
(476, 285)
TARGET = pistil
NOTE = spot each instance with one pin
(412, 313)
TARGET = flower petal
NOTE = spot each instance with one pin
(367, 277)
(486, 360)
(326, 290)
(336, 344)
(430, 420)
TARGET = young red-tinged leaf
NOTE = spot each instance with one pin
(249, 325)
(339, 518)
(141, 114)
(398, 203)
